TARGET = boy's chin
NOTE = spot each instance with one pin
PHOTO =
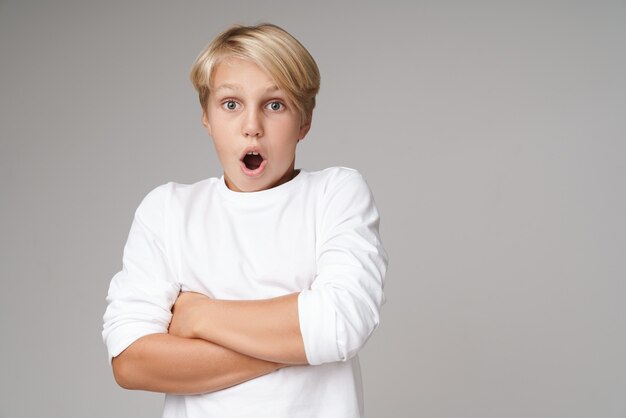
(251, 184)
(246, 185)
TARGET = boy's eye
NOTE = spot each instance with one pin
(229, 105)
(275, 106)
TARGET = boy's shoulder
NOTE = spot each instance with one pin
(161, 196)
(340, 178)
(334, 175)
(336, 171)
(200, 186)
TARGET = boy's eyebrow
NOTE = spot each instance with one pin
(237, 87)
(228, 86)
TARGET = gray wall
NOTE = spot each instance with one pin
(493, 135)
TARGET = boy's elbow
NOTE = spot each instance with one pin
(121, 371)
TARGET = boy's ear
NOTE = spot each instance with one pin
(304, 128)
(205, 122)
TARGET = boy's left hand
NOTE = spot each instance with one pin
(187, 314)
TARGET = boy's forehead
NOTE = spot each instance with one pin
(235, 74)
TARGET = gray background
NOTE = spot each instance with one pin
(493, 135)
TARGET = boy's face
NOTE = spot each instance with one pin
(254, 126)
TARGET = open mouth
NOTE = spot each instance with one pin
(252, 160)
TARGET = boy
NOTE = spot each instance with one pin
(250, 295)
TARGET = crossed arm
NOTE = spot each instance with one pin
(214, 344)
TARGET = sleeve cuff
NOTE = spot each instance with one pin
(318, 327)
(121, 338)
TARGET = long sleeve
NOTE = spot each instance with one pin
(141, 295)
(342, 308)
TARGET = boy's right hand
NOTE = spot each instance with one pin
(188, 314)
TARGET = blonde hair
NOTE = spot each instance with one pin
(274, 50)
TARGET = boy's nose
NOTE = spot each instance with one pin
(252, 125)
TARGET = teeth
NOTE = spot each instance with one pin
(253, 153)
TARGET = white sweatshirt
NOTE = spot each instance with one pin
(316, 234)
